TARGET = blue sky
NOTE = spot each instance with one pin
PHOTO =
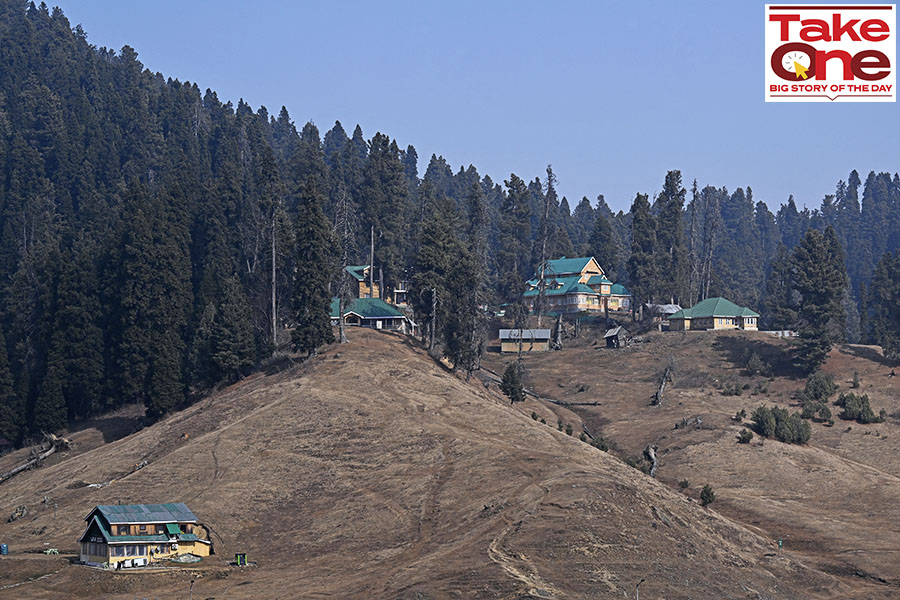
(613, 94)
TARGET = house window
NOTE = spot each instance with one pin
(143, 529)
(118, 550)
(123, 529)
(160, 530)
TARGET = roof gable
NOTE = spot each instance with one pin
(358, 272)
(570, 266)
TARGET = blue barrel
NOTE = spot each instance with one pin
(4, 550)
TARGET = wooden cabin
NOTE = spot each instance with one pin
(374, 314)
(133, 535)
(714, 313)
(531, 340)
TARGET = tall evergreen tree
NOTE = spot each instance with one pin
(11, 410)
(671, 253)
(233, 352)
(885, 301)
(642, 268)
(513, 257)
(604, 246)
(780, 301)
(315, 263)
(820, 279)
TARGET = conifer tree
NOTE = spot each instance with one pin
(233, 332)
(11, 410)
(604, 246)
(513, 257)
(315, 263)
(642, 268)
(780, 303)
(885, 301)
(671, 253)
(820, 279)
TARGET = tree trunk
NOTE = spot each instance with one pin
(274, 314)
(342, 335)
(433, 317)
(372, 261)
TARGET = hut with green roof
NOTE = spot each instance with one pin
(714, 313)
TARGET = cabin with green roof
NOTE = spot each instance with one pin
(576, 285)
(133, 535)
(714, 313)
(372, 313)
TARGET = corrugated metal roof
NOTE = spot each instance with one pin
(616, 331)
(174, 512)
(526, 334)
(367, 308)
(357, 271)
(618, 289)
(714, 307)
(564, 265)
(599, 280)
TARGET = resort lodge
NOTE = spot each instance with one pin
(573, 285)
(132, 535)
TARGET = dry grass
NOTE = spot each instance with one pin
(374, 473)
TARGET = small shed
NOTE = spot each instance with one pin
(531, 340)
(616, 337)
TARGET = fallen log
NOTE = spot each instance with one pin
(56, 443)
(650, 453)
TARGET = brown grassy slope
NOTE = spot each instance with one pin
(832, 501)
(373, 473)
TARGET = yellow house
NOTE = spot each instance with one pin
(134, 535)
(714, 313)
(575, 285)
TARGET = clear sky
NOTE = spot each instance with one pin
(611, 93)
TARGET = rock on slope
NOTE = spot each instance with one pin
(374, 473)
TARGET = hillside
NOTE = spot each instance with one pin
(374, 473)
(833, 501)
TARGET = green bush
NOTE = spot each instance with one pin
(707, 495)
(534, 416)
(684, 484)
(778, 423)
(857, 408)
(600, 444)
(745, 436)
(511, 383)
(855, 383)
(569, 429)
(559, 424)
(583, 437)
(819, 388)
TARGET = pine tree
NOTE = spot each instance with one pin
(820, 280)
(204, 370)
(604, 246)
(11, 410)
(671, 253)
(642, 268)
(513, 257)
(315, 263)
(885, 301)
(780, 304)
(233, 333)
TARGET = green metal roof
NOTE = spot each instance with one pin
(618, 289)
(357, 271)
(562, 266)
(567, 285)
(153, 538)
(174, 512)
(714, 307)
(367, 308)
(173, 528)
(598, 280)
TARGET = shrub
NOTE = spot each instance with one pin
(745, 436)
(559, 424)
(534, 416)
(684, 484)
(511, 383)
(732, 388)
(569, 429)
(707, 495)
(819, 388)
(778, 423)
(755, 365)
(857, 408)
(583, 437)
(600, 444)
(543, 421)
(855, 383)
